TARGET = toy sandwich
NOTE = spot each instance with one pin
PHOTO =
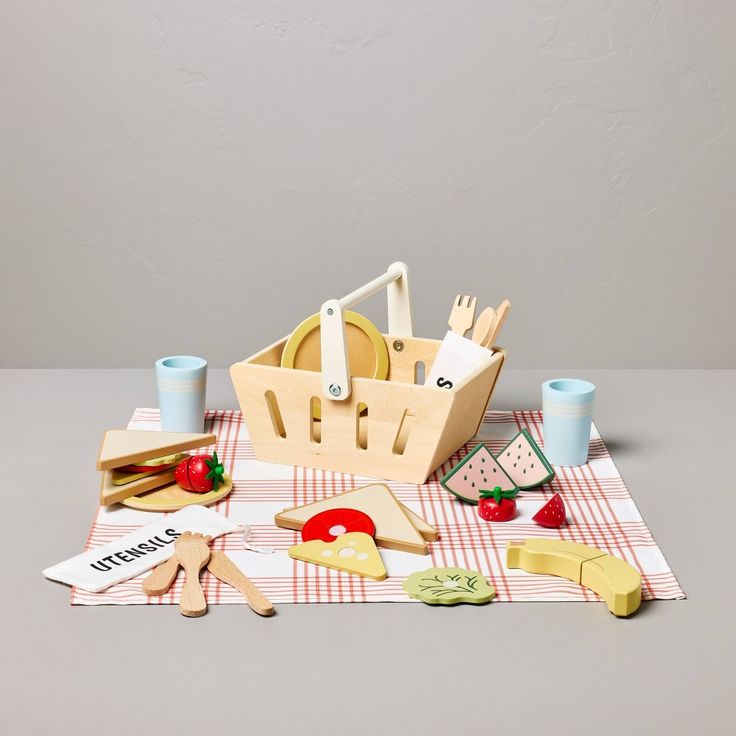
(136, 461)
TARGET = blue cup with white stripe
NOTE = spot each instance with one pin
(182, 388)
(567, 408)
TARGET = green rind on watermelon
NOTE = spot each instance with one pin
(477, 471)
(526, 465)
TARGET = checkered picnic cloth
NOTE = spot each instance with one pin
(600, 513)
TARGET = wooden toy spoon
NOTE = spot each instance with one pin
(193, 553)
(162, 577)
(223, 568)
(484, 326)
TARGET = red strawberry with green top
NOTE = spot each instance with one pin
(552, 514)
(497, 505)
(200, 473)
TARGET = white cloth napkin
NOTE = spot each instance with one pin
(456, 359)
(125, 558)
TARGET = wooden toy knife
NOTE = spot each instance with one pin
(223, 568)
(502, 312)
(162, 577)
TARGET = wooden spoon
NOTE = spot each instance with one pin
(484, 326)
(162, 577)
(193, 553)
(223, 568)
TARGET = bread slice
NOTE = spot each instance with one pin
(110, 493)
(394, 529)
(130, 446)
(429, 533)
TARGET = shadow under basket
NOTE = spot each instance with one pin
(394, 429)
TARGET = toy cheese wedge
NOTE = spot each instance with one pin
(136, 461)
(394, 529)
(354, 552)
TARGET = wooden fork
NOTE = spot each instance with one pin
(462, 314)
(193, 553)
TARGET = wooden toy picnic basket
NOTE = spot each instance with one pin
(393, 429)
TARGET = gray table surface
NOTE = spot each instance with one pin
(353, 669)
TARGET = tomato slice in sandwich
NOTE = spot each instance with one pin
(155, 465)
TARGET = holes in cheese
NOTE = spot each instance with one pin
(355, 553)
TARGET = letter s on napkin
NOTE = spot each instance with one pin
(456, 359)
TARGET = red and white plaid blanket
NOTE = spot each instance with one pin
(600, 513)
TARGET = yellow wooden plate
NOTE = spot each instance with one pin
(366, 347)
(173, 498)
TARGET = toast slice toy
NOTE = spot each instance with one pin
(111, 493)
(524, 462)
(429, 533)
(124, 448)
(354, 552)
(477, 471)
(394, 529)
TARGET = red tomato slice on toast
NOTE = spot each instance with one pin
(329, 525)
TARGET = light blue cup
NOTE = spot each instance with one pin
(567, 407)
(182, 388)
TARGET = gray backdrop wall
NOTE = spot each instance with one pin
(182, 176)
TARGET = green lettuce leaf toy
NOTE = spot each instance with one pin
(448, 585)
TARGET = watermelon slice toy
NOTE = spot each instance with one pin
(524, 462)
(477, 471)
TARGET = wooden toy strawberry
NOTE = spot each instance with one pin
(552, 514)
(497, 505)
(199, 473)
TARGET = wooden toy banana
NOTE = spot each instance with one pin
(617, 582)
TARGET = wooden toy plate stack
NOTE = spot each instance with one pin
(394, 428)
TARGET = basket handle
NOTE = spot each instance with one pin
(336, 383)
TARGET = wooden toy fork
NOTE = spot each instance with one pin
(462, 314)
(193, 553)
